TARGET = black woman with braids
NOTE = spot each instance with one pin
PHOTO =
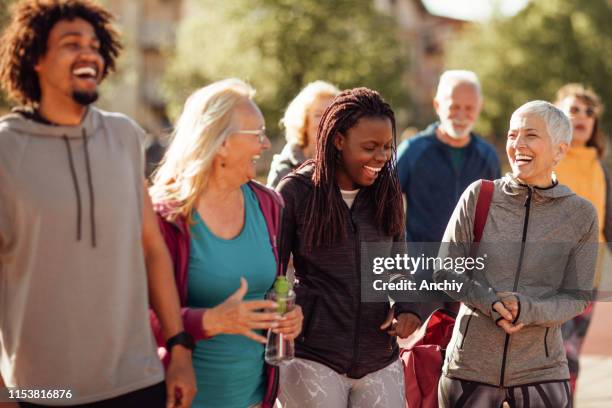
(347, 355)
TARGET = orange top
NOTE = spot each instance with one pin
(581, 171)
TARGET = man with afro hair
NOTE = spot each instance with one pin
(81, 254)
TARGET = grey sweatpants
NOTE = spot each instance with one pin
(307, 384)
(458, 393)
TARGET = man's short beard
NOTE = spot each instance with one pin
(85, 98)
(450, 131)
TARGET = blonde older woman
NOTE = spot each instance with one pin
(301, 121)
(540, 245)
(221, 230)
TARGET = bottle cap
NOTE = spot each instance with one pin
(281, 285)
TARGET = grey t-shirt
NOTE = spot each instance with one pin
(73, 284)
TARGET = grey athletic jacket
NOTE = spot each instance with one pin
(289, 159)
(540, 244)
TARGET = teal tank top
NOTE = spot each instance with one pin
(230, 368)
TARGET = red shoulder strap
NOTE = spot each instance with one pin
(271, 205)
(482, 208)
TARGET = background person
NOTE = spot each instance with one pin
(301, 121)
(349, 194)
(439, 163)
(540, 241)
(221, 229)
(584, 171)
(436, 165)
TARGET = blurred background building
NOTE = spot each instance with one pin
(426, 36)
(149, 28)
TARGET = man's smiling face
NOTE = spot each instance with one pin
(72, 65)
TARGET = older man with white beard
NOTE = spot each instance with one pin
(439, 163)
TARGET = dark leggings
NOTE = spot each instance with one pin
(153, 397)
(459, 393)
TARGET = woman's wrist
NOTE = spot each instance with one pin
(210, 323)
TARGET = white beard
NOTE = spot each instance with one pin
(452, 132)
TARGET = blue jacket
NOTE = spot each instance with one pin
(431, 183)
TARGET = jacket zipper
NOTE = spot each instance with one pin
(516, 278)
(466, 331)
(546, 342)
(358, 263)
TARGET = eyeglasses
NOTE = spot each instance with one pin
(261, 134)
(589, 111)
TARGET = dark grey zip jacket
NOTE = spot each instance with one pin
(339, 330)
(289, 159)
(540, 244)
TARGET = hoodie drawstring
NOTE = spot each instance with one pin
(75, 183)
(92, 207)
(77, 190)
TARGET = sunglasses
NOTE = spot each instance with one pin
(261, 134)
(589, 111)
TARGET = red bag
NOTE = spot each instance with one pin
(423, 358)
(425, 349)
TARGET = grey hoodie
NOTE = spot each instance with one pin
(290, 158)
(73, 285)
(540, 244)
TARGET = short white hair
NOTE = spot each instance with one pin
(450, 79)
(558, 124)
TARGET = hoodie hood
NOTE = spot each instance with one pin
(304, 173)
(19, 121)
(22, 121)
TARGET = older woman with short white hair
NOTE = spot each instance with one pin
(301, 121)
(221, 229)
(539, 246)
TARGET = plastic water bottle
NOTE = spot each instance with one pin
(280, 350)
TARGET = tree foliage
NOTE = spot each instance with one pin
(4, 11)
(532, 54)
(281, 45)
(4, 20)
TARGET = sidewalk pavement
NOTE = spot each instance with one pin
(594, 388)
(594, 382)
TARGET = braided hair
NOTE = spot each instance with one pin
(326, 225)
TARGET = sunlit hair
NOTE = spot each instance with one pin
(205, 123)
(24, 41)
(295, 120)
(587, 96)
(450, 79)
(325, 210)
(558, 124)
